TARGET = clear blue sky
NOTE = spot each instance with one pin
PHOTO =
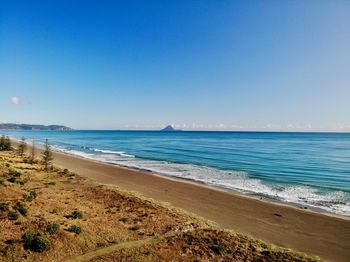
(270, 65)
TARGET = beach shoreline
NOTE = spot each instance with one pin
(255, 196)
(248, 194)
(321, 234)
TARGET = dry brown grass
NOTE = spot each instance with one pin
(203, 245)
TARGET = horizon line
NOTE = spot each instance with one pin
(193, 130)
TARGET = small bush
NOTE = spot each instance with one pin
(40, 244)
(52, 228)
(5, 143)
(36, 242)
(18, 223)
(28, 237)
(75, 229)
(7, 165)
(10, 242)
(14, 173)
(4, 207)
(54, 211)
(22, 209)
(12, 179)
(135, 227)
(124, 219)
(64, 172)
(1, 182)
(216, 246)
(218, 249)
(27, 198)
(76, 214)
(13, 215)
(32, 195)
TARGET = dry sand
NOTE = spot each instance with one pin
(323, 235)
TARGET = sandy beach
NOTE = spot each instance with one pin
(323, 235)
(175, 131)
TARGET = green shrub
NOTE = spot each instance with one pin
(76, 214)
(218, 249)
(27, 238)
(75, 229)
(12, 179)
(135, 227)
(32, 195)
(10, 242)
(14, 173)
(40, 244)
(53, 228)
(64, 172)
(13, 215)
(4, 207)
(7, 165)
(54, 211)
(5, 143)
(124, 219)
(36, 242)
(22, 209)
(27, 198)
(1, 182)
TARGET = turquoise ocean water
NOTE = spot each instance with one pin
(310, 169)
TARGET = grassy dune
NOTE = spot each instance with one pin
(60, 216)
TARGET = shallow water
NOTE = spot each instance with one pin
(311, 169)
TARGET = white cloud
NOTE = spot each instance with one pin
(15, 100)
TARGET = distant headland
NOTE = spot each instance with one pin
(10, 126)
(169, 128)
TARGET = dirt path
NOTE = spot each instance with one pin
(112, 248)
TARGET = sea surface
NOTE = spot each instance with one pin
(307, 169)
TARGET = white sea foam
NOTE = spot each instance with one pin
(74, 152)
(113, 152)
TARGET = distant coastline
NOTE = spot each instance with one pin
(10, 126)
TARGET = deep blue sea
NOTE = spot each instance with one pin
(310, 169)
